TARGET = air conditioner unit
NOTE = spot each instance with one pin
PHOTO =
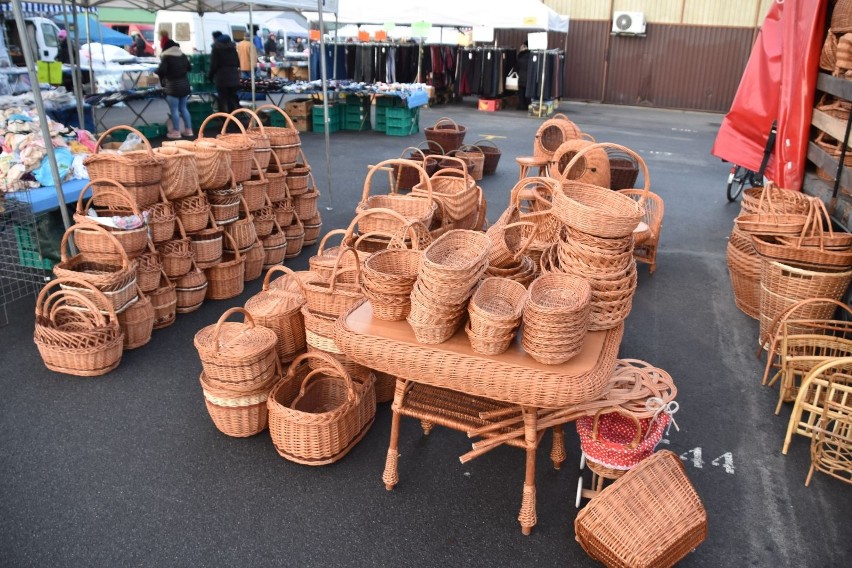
(628, 23)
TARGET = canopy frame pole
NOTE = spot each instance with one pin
(324, 78)
(93, 86)
(73, 56)
(29, 58)
(257, 55)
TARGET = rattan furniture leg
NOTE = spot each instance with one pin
(527, 516)
(557, 453)
(528, 164)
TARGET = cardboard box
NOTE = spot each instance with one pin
(300, 73)
(490, 105)
(302, 123)
(283, 72)
(299, 107)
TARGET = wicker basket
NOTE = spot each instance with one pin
(258, 135)
(148, 267)
(238, 414)
(411, 208)
(508, 242)
(537, 191)
(387, 279)
(297, 176)
(552, 133)
(495, 312)
(225, 278)
(137, 322)
(454, 189)
(180, 172)
(114, 275)
(191, 289)
(241, 146)
(285, 141)
(476, 157)
(213, 161)
(406, 177)
(177, 254)
(597, 210)
(242, 230)
(207, 245)
(237, 356)
(84, 342)
(651, 516)
(264, 220)
(274, 246)
(277, 178)
(329, 416)
(254, 256)
(295, 233)
(492, 155)
(334, 297)
(281, 312)
(225, 203)
(161, 221)
(193, 212)
(164, 301)
(140, 172)
(592, 167)
(284, 212)
(313, 227)
(305, 204)
(255, 190)
(446, 134)
(556, 318)
(133, 241)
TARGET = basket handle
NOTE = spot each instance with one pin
(450, 120)
(236, 251)
(247, 319)
(530, 239)
(588, 137)
(350, 230)
(413, 149)
(550, 184)
(274, 270)
(279, 111)
(226, 116)
(350, 390)
(471, 149)
(125, 127)
(45, 294)
(424, 178)
(58, 304)
(559, 115)
(125, 261)
(117, 190)
(253, 118)
(257, 166)
(181, 230)
(646, 177)
(636, 439)
(329, 363)
(430, 143)
(337, 268)
(453, 159)
(328, 235)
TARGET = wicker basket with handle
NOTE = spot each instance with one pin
(180, 172)
(476, 157)
(225, 278)
(133, 241)
(297, 176)
(139, 171)
(406, 177)
(238, 414)
(276, 176)
(148, 267)
(207, 244)
(241, 146)
(213, 160)
(295, 233)
(281, 312)
(242, 230)
(164, 300)
(137, 322)
(446, 134)
(177, 254)
(336, 295)
(254, 256)
(255, 190)
(258, 135)
(161, 220)
(191, 289)
(454, 189)
(193, 211)
(492, 155)
(285, 141)
(552, 133)
(412, 208)
(274, 246)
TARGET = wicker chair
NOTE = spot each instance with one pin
(647, 243)
(830, 381)
(802, 342)
(831, 448)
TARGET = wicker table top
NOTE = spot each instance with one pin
(512, 377)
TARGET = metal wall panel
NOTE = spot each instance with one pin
(688, 67)
(564, 6)
(656, 11)
(581, 9)
(703, 13)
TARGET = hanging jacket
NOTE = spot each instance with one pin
(224, 63)
(173, 69)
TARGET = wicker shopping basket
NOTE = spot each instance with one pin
(137, 322)
(280, 311)
(258, 135)
(180, 172)
(240, 145)
(134, 241)
(213, 160)
(225, 279)
(412, 208)
(139, 171)
(445, 134)
(285, 141)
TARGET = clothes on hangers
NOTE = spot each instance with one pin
(553, 62)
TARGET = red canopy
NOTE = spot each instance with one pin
(778, 83)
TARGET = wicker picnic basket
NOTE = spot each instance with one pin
(592, 167)
(180, 172)
(313, 227)
(139, 171)
(492, 155)
(276, 176)
(476, 157)
(240, 146)
(114, 275)
(556, 317)
(387, 279)
(161, 221)
(255, 189)
(164, 301)
(207, 244)
(445, 134)
(193, 211)
(281, 312)
(552, 133)
(295, 233)
(406, 177)
(225, 278)
(238, 414)
(410, 207)
(774, 199)
(191, 289)
(148, 267)
(328, 417)
(285, 141)
(495, 311)
(744, 265)
(176, 254)
(212, 160)
(258, 135)
(84, 342)
(137, 322)
(334, 297)
(617, 439)
(297, 176)
(236, 356)
(242, 230)
(274, 246)
(786, 218)
(254, 257)
(819, 233)
(133, 241)
(623, 169)
(651, 516)
(597, 210)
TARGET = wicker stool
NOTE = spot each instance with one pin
(529, 163)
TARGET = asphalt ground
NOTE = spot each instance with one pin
(128, 469)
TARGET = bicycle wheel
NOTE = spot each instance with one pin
(736, 182)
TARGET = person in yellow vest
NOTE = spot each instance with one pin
(248, 57)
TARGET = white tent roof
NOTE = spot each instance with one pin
(203, 6)
(519, 14)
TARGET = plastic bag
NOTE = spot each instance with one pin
(132, 142)
(64, 160)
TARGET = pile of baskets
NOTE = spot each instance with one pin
(556, 318)
(495, 312)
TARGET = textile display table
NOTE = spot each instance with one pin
(45, 199)
(505, 399)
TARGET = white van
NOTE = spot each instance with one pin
(193, 32)
(43, 36)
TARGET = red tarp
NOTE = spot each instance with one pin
(778, 83)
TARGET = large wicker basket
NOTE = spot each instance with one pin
(285, 141)
(258, 135)
(225, 278)
(133, 241)
(446, 134)
(180, 172)
(412, 208)
(241, 146)
(281, 312)
(213, 161)
(139, 171)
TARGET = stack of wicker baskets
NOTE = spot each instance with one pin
(495, 312)
(556, 317)
(240, 368)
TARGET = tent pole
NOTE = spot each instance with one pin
(324, 77)
(100, 36)
(334, 62)
(93, 87)
(29, 58)
(72, 58)
(257, 56)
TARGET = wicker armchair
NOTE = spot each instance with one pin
(831, 447)
(646, 245)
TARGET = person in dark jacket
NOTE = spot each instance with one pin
(522, 62)
(173, 69)
(225, 72)
(271, 46)
(139, 45)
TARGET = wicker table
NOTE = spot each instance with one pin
(505, 399)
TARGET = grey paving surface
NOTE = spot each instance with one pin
(128, 469)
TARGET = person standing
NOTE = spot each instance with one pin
(164, 37)
(173, 69)
(225, 73)
(248, 57)
(270, 48)
(138, 45)
(523, 63)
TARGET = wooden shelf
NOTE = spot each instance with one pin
(820, 188)
(827, 162)
(836, 86)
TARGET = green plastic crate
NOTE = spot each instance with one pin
(153, 130)
(357, 124)
(200, 62)
(402, 124)
(319, 126)
(28, 250)
(389, 101)
(381, 118)
(119, 135)
(402, 113)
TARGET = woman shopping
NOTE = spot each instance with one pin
(174, 66)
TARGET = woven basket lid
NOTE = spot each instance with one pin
(235, 340)
(274, 302)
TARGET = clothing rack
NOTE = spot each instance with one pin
(558, 69)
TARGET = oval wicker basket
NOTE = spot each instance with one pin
(445, 134)
(410, 207)
(212, 159)
(258, 135)
(139, 171)
(133, 241)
